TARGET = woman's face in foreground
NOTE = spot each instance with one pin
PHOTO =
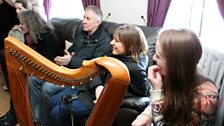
(160, 59)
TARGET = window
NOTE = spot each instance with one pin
(202, 16)
(67, 9)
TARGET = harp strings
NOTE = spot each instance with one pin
(23, 81)
(21, 75)
(18, 68)
(24, 66)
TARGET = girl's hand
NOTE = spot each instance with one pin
(142, 120)
(98, 91)
(16, 27)
(154, 77)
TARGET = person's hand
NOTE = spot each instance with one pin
(142, 120)
(98, 91)
(154, 77)
(63, 60)
(16, 27)
(1, 1)
(10, 2)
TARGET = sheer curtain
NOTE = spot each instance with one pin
(201, 16)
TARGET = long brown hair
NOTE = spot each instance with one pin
(182, 51)
(133, 39)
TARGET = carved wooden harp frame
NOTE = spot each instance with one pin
(22, 61)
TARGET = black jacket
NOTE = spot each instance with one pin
(139, 85)
(89, 47)
(86, 48)
(8, 18)
(49, 45)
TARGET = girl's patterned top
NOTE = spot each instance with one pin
(202, 115)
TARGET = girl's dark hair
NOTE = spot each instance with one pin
(182, 50)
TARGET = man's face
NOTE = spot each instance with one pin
(90, 22)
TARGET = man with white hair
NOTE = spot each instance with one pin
(90, 41)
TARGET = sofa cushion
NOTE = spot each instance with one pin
(65, 28)
(137, 103)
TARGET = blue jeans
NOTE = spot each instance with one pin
(40, 91)
(61, 112)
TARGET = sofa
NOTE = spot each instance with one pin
(211, 63)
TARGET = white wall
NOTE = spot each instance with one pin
(67, 9)
(121, 13)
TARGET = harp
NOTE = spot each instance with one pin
(22, 61)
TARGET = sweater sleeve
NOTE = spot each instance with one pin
(152, 110)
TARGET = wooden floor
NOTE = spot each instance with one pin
(4, 97)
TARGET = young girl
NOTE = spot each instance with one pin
(130, 47)
(181, 96)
